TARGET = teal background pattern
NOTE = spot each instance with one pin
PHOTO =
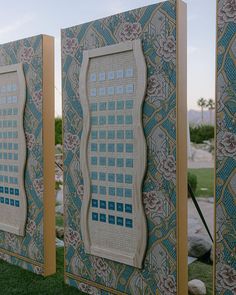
(28, 252)
(226, 149)
(155, 25)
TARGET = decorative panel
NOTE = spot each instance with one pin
(27, 229)
(13, 203)
(113, 152)
(102, 99)
(225, 239)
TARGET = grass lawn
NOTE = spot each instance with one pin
(205, 182)
(204, 272)
(14, 280)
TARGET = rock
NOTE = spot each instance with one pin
(60, 209)
(59, 197)
(59, 232)
(59, 243)
(196, 287)
(198, 246)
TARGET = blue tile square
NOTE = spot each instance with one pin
(112, 191)
(1, 189)
(94, 120)
(120, 221)
(103, 190)
(17, 192)
(7, 201)
(94, 160)
(111, 105)
(119, 207)
(111, 205)
(111, 177)
(111, 147)
(6, 190)
(129, 134)
(94, 147)
(119, 178)
(119, 192)
(102, 161)
(102, 147)
(2, 200)
(102, 176)
(128, 120)
(128, 208)
(120, 105)
(128, 222)
(111, 162)
(128, 179)
(129, 104)
(111, 134)
(120, 162)
(120, 134)
(102, 134)
(16, 146)
(111, 219)
(129, 163)
(95, 216)
(102, 106)
(12, 203)
(102, 120)
(11, 191)
(128, 193)
(94, 203)
(111, 120)
(129, 148)
(120, 147)
(94, 134)
(94, 175)
(94, 189)
(17, 203)
(120, 119)
(103, 217)
(103, 205)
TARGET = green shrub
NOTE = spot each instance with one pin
(198, 134)
(192, 181)
(58, 131)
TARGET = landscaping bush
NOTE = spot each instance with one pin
(192, 181)
(198, 134)
(58, 131)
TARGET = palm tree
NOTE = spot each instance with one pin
(211, 106)
(202, 104)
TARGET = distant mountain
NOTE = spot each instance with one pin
(195, 117)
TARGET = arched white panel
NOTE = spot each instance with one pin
(13, 204)
(113, 152)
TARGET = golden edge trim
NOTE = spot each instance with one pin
(93, 284)
(23, 258)
(48, 156)
(181, 154)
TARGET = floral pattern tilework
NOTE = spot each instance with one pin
(155, 25)
(226, 149)
(31, 247)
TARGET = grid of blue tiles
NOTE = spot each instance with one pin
(9, 147)
(111, 147)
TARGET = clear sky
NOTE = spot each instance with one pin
(25, 18)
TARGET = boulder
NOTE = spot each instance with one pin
(196, 287)
(59, 232)
(198, 245)
(59, 243)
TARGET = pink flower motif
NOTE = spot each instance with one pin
(10, 240)
(227, 144)
(155, 89)
(30, 227)
(72, 238)
(71, 141)
(38, 98)
(130, 31)
(38, 270)
(88, 289)
(80, 190)
(168, 168)
(38, 185)
(226, 278)
(152, 203)
(70, 46)
(26, 54)
(30, 140)
(100, 267)
(166, 48)
(227, 12)
(168, 285)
